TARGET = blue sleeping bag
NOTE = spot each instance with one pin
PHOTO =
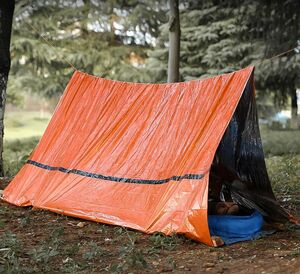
(234, 229)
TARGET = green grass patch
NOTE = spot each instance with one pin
(284, 172)
(15, 154)
(22, 132)
(280, 142)
(25, 124)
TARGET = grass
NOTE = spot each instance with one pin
(22, 132)
(16, 152)
(284, 172)
(24, 124)
(280, 142)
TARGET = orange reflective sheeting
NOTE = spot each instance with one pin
(131, 154)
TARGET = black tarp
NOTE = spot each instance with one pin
(239, 162)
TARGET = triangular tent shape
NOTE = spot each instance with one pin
(139, 155)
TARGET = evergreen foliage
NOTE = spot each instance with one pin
(222, 36)
(105, 38)
(128, 40)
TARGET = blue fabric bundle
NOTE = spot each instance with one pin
(234, 229)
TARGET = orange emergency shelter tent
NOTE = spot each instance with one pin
(140, 155)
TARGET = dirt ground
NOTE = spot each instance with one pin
(36, 241)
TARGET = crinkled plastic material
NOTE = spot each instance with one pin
(139, 155)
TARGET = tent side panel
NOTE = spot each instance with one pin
(181, 208)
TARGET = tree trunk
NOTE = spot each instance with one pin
(174, 42)
(6, 17)
(294, 109)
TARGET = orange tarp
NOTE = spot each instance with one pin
(131, 154)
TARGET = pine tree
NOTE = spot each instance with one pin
(105, 38)
(280, 21)
(174, 42)
(222, 36)
(212, 40)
